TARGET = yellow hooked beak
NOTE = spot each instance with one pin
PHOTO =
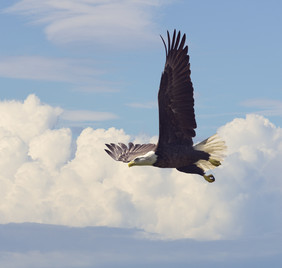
(132, 163)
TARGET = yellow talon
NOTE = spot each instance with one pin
(209, 178)
(214, 162)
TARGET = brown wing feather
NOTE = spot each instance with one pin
(176, 102)
(125, 154)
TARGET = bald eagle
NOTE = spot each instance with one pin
(177, 123)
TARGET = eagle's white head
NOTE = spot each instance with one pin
(147, 159)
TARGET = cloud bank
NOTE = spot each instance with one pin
(30, 245)
(42, 181)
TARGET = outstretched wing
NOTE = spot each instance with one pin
(176, 103)
(125, 154)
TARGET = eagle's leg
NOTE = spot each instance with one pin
(209, 178)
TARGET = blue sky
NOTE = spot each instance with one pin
(235, 50)
(76, 74)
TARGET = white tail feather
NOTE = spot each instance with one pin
(214, 146)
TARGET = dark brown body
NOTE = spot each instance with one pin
(177, 156)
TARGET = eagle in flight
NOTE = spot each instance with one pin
(177, 123)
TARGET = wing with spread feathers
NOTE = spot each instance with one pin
(125, 154)
(176, 101)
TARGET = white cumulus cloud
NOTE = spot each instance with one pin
(41, 181)
(28, 119)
